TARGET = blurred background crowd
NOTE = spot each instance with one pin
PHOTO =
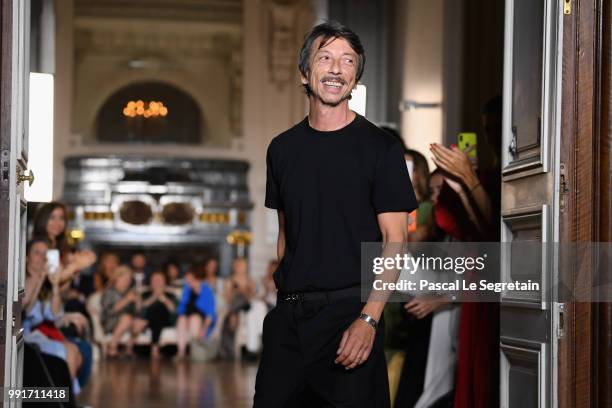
(81, 306)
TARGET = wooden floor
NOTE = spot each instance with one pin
(143, 383)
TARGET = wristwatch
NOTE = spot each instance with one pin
(369, 320)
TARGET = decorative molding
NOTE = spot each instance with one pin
(282, 19)
(218, 11)
(132, 42)
(285, 22)
(236, 77)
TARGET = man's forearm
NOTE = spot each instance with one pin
(280, 247)
(394, 244)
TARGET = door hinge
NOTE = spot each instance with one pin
(567, 6)
(563, 189)
(5, 169)
(512, 148)
(561, 325)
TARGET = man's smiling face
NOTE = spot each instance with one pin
(333, 68)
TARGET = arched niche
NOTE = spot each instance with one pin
(182, 124)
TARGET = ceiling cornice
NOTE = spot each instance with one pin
(220, 11)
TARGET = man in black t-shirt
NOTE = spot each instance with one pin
(336, 181)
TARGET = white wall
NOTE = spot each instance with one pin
(423, 27)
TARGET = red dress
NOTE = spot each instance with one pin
(477, 377)
(477, 384)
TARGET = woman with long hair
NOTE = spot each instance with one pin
(50, 223)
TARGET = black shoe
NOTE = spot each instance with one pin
(248, 356)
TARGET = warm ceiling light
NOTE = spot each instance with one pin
(140, 108)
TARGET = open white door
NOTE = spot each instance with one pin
(15, 17)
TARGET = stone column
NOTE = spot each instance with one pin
(64, 60)
(273, 98)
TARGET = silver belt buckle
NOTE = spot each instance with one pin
(292, 297)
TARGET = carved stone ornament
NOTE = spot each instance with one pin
(282, 19)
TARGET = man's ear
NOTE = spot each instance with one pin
(303, 79)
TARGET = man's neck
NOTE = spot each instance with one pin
(328, 118)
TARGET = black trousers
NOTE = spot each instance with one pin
(158, 316)
(297, 369)
(44, 370)
(412, 378)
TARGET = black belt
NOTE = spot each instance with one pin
(329, 295)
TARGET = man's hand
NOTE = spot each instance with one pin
(356, 344)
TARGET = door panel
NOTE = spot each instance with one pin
(525, 255)
(522, 368)
(13, 139)
(527, 64)
(529, 200)
(530, 51)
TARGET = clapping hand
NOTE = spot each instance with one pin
(455, 162)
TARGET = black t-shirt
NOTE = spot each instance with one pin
(331, 186)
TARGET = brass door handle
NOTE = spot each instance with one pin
(22, 177)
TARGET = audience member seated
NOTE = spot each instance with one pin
(216, 283)
(196, 311)
(174, 275)
(140, 271)
(158, 308)
(120, 305)
(103, 276)
(50, 226)
(240, 295)
(43, 306)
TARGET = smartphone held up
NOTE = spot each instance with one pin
(53, 261)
